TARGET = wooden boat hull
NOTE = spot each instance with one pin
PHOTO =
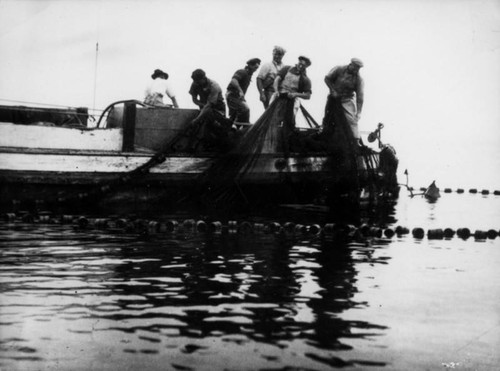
(42, 166)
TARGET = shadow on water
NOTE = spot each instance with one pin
(241, 289)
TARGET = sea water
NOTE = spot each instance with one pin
(76, 298)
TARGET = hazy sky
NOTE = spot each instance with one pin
(432, 68)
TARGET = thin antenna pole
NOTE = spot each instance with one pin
(95, 73)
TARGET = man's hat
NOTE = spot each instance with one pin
(198, 74)
(253, 61)
(159, 73)
(305, 59)
(358, 62)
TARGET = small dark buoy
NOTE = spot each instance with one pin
(273, 227)
(67, 219)
(365, 230)
(448, 232)
(492, 234)
(485, 192)
(101, 223)
(435, 234)
(121, 223)
(153, 226)
(188, 224)
(28, 218)
(245, 228)
(496, 193)
(418, 232)
(447, 190)
(480, 235)
(473, 190)
(460, 190)
(328, 229)
(171, 225)
(201, 226)
(463, 233)
(389, 232)
(400, 230)
(300, 228)
(289, 227)
(376, 232)
(314, 229)
(215, 227)
(83, 222)
(258, 227)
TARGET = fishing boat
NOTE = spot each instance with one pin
(135, 157)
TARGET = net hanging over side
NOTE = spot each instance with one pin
(271, 134)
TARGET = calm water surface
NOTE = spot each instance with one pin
(73, 299)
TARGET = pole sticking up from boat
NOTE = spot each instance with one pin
(95, 73)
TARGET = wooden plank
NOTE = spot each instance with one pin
(33, 136)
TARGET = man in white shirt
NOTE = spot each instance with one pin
(268, 73)
(157, 88)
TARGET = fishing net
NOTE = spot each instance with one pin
(269, 134)
(274, 132)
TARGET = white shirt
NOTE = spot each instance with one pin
(160, 86)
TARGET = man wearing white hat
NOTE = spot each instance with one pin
(346, 85)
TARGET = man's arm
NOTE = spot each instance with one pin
(360, 96)
(174, 102)
(329, 79)
(260, 88)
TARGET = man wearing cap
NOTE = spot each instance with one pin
(157, 88)
(236, 90)
(207, 95)
(267, 74)
(346, 85)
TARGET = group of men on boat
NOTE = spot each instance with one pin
(274, 80)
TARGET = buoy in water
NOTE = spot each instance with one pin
(448, 232)
(215, 227)
(171, 225)
(492, 234)
(201, 226)
(480, 235)
(389, 232)
(463, 233)
(418, 232)
(245, 228)
(435, 234)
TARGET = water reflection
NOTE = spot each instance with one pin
(61, 284)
